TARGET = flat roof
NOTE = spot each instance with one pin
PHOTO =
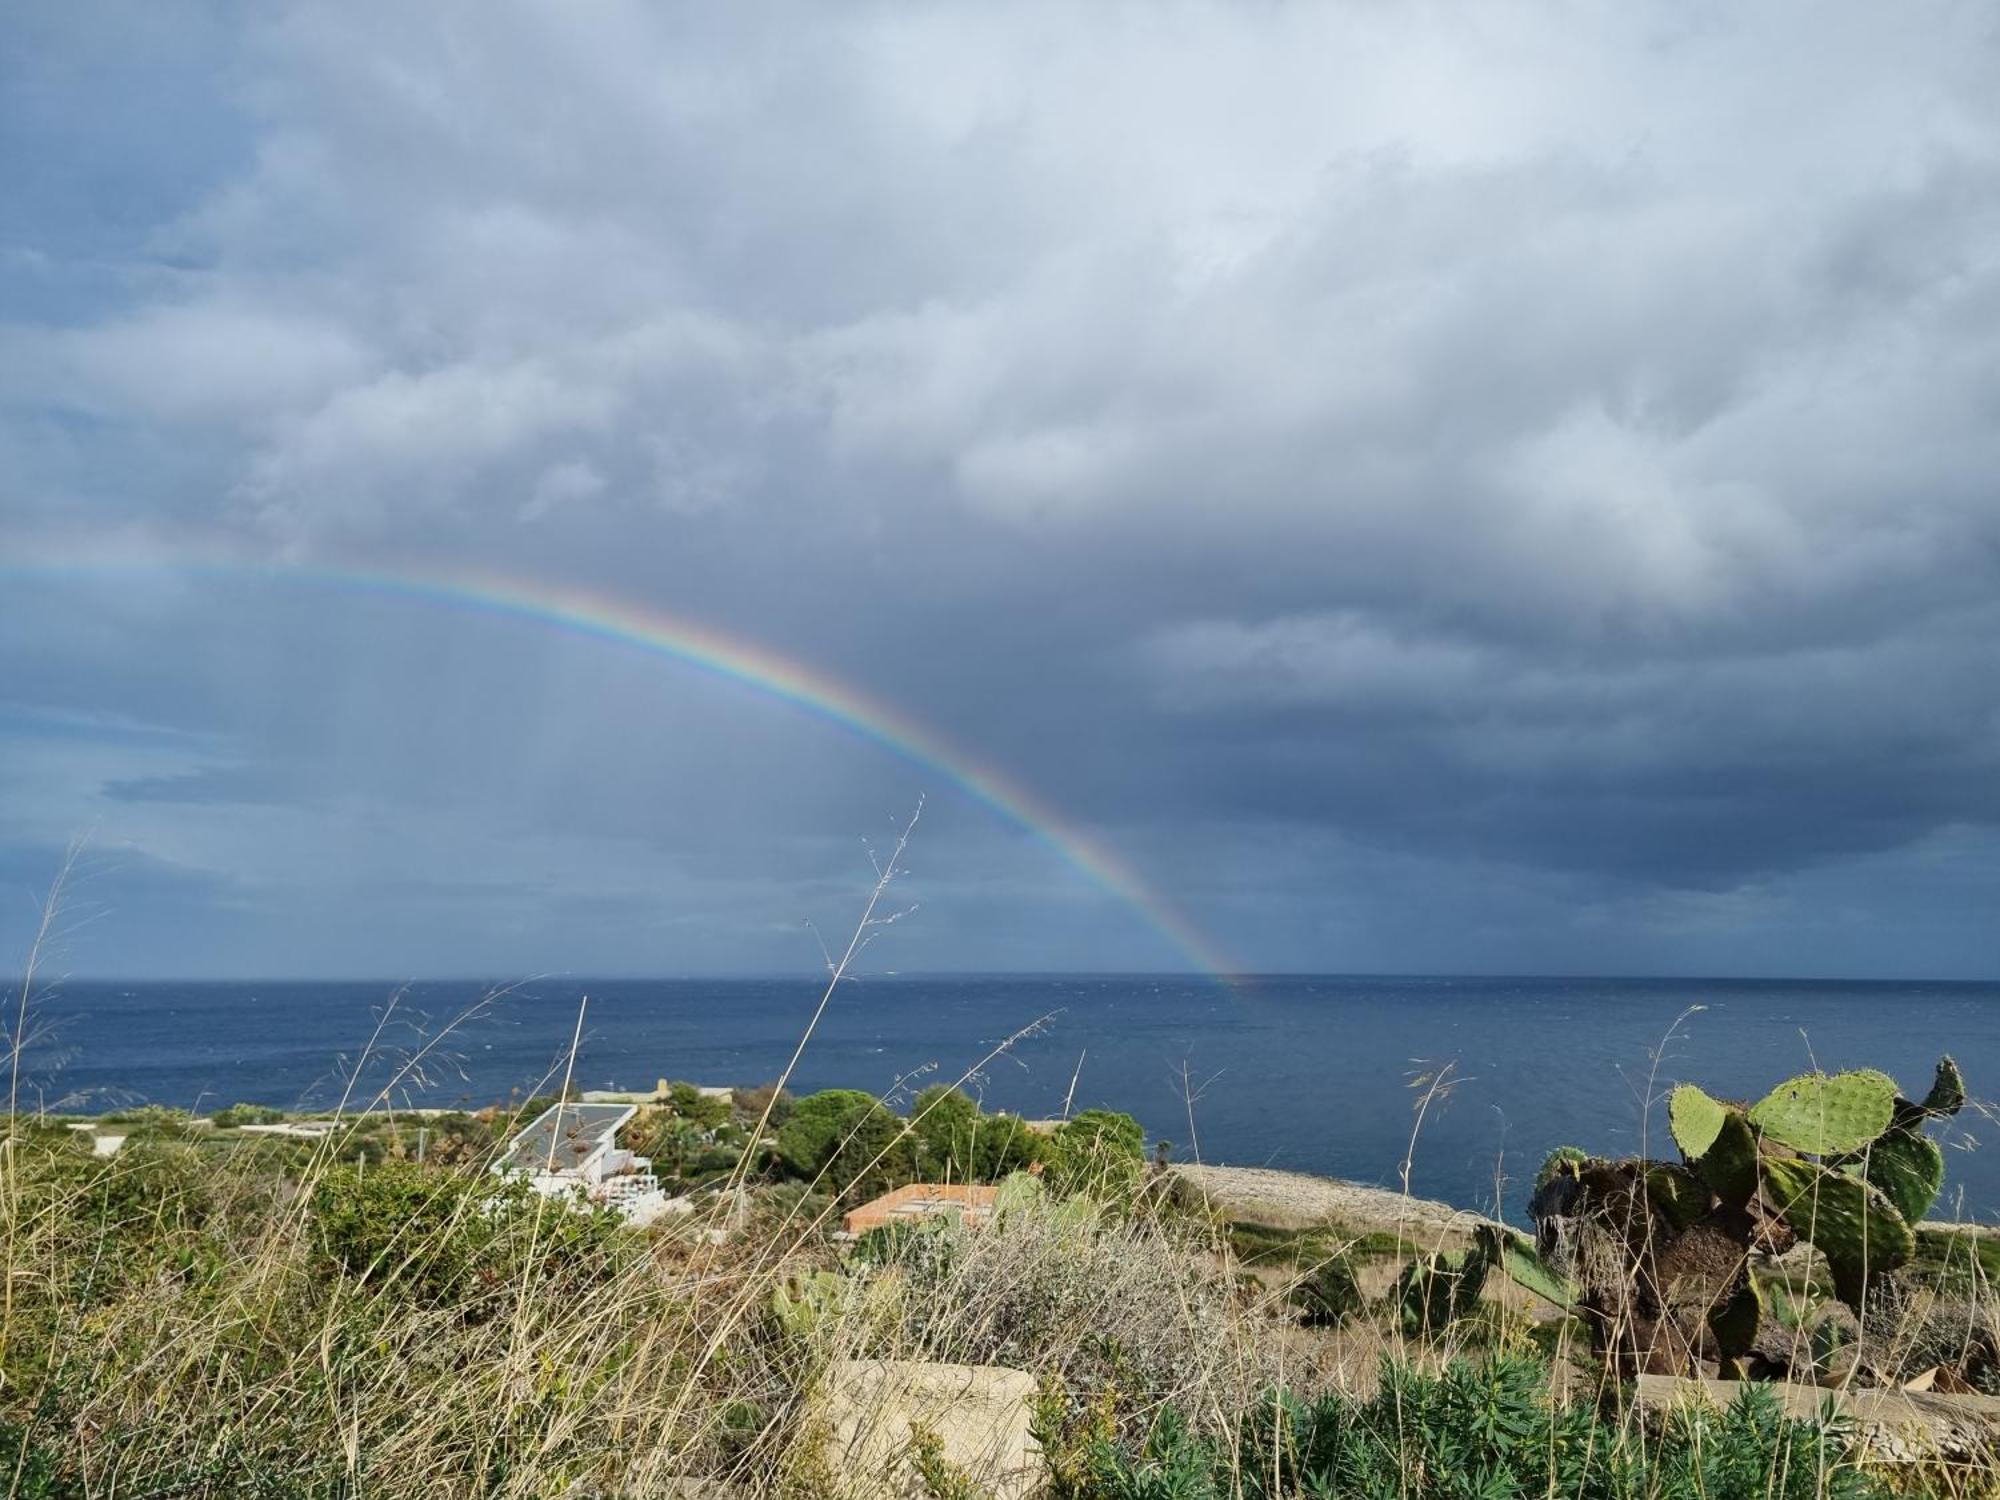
(564, 1136)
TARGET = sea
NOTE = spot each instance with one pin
(1462, 1085)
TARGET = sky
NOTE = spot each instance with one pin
(1416, 488)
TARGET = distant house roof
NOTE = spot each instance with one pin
(564, 1136)
(923, 1200)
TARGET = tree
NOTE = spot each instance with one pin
(946, 1127)
(702, 1110)
(1101, 1151)
(848, 1140)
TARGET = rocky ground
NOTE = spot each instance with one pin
(1296, 1201)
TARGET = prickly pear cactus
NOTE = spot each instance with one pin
(809, 1300)
(1909, 1169)
(1696, 1119)
(1659, 1255)
(1848, 1220)
(1947, 1095)
(1515, 1254)
(1557, 1162)
(1678, 1194)
(1735, 1322)
(1823, 1115)
(1436, 1290)
(1729, 1166)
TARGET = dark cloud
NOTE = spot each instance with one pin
(1351, 460)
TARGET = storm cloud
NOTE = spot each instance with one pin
(1484, 487)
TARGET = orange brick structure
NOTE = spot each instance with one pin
(920, 1200)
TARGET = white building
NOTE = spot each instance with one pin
(571, 1150)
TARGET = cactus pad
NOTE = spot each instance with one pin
(1436, 1290)
(1827, 1116)
(1947, 1095)
(1729, 1166)
(1563, 1158)
(1849, 1221)
(1735, 1322)
(1909, 1169)
(1696, 1119)
(1514, 1253)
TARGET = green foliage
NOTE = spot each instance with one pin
(701, 1110)
(1328, 1294)
(1838, 1160)
(153, 1122)
(1436, 1290)
(34, 1471)
(1515, 1254)
(955, 1142)
(1735, 1322)
(1562, 1159)
(809, 1300)
(436, 1235)
(149, 1183)
(689, 1150)
(1729, 1166)
(246, 1114)
(1100, 1152)
(1677, 1193)
(1848, 1220)
(946, 1125)
(940, 1477)
(930, 1245)
(1695, 1119)
(848, 1141)
(1908, 1167)
(1822, 1115)
(1476, 1431)
(749, 1104)
(1019, 1193)
(1947, 1092)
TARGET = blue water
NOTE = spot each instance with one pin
(1310, 1073)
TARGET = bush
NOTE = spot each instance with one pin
(749, 1104)
(437, 1235)
(1485, 1430)
(954, 1142)
(1101, 1152)
(847, 1140)
(153, 1122)
(945, 1124)
(1328, 1294)
(698, 1109)
(1099, 1304)
(247, 1114)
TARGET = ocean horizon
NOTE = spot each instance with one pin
(1316, 1073)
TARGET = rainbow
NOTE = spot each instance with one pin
(597, 616)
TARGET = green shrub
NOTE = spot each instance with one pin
(955, 1142)
(849, 1141)
(436, 1235)
(1437, 1290)
(1101, 1151)
(1479, 1430)
(1328, 1294)
(699, 1109)
(247, 1114)
(153, 1122)
(34, 1469)
(945, 1124)
(927, 1246)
